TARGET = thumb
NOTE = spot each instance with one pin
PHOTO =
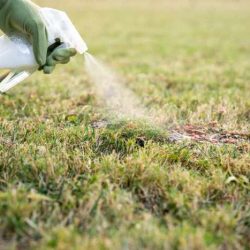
(39, 42)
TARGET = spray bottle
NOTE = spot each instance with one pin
(16, 54)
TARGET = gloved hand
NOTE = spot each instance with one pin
(58, 56)
(22, 17)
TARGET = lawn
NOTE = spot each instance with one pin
(72, 177)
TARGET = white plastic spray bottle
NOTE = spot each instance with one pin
(17, 55)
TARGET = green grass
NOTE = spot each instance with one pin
(67, 184)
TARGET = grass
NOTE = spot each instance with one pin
(68, 183)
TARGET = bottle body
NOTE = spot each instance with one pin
(16, 54)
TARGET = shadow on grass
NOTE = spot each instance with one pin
(123, 137)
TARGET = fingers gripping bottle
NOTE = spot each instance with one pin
(16, 54)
